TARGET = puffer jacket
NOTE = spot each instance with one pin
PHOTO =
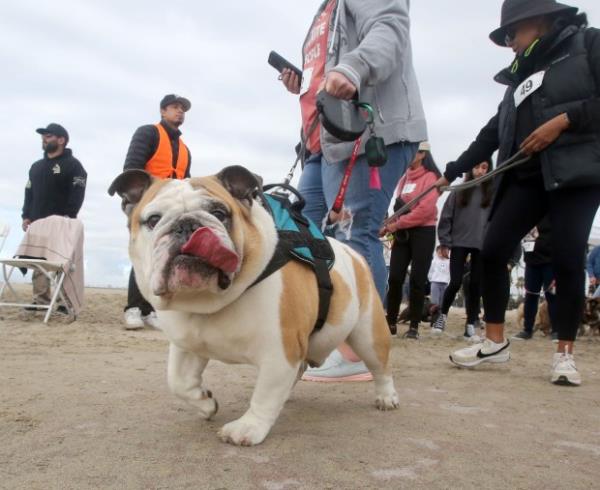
(144, 144)
(572, 85)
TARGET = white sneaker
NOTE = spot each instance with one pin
(439, 325)
(469, 331)
(133, 319)
(486, 351)
(151, 320)
(564, 371)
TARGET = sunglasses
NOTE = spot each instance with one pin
(509, 37)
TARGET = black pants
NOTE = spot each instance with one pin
(536, 278)
(458, 260)
(135, 298)
(521, 206)
(416, 250)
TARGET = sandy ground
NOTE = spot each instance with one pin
(86, 405)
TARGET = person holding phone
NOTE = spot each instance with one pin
(362, 49)
(550, 111)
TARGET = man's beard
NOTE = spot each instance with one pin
(51, 147)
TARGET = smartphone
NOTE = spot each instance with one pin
(279, 63)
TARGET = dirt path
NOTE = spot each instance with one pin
(86, 405)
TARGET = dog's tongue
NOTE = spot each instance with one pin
(207, 246)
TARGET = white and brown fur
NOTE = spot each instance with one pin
(590, 324)
(268, 325)
(542, 318)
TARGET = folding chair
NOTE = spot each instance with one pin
(4, 231)
(37, 244)
(52, 270)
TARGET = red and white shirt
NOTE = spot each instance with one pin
(313, 73)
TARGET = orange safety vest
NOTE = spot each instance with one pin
(161, 163)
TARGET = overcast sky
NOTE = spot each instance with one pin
(101, 67)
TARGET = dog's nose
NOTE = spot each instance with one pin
(185, 227)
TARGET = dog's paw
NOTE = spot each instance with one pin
(207, 406)
(244, 432)
(388, 402)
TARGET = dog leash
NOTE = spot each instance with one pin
(303, 143)
(341, 195)
(514, 161)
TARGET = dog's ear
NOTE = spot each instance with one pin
(240, 183)
(130, 186)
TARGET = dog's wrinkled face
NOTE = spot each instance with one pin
(188, 235)
(189, 231)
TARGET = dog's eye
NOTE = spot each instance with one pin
(220, 214)
(153, 220)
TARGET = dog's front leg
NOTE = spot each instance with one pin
(273, 386)
(185, 380)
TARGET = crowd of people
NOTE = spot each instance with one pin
(361, 49)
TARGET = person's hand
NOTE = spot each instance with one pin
(343, 215)
(25, 224)
(290, 80)
(545, 135)
(445, 251)
(385, 230)
(339, 86)
(441, 182)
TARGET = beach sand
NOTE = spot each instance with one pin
(86, 405)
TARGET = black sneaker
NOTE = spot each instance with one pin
(62, 309)
(522, 335)
(411, 333)
(392, 326)
(554, 337)
(34, 308)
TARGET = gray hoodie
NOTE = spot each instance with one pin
(369, 43)
(463, 227)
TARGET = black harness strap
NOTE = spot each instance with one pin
(322, 256)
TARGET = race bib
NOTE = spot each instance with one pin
(528, 246)
(528, 87)
(306, 78)
(408, 188)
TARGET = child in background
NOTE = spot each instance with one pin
(439, 277)
(461, 229)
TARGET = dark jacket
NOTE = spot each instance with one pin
(463, 226)
(144, 144)
(55, 186)
(571, 85)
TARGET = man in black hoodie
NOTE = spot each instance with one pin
(56, 186)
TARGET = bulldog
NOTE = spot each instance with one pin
(197, 247)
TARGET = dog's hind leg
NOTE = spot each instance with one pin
(371, 341)
(184, 376)
(275, 380)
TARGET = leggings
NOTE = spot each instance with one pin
(519, 208)
(418, 251)
(458, 259)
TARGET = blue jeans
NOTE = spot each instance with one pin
(320, 183)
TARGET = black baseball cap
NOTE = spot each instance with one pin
(56, 130)
(172, 99)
